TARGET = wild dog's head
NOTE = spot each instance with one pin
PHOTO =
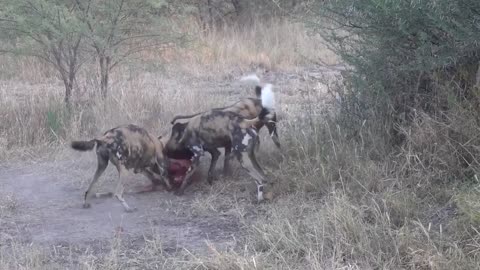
(174, 148)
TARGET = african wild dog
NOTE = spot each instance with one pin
(247, 108)
(217, 128)
(127, 147)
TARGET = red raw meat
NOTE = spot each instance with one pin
(177, 169)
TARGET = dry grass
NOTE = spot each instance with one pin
(276, 44)
(341, 202)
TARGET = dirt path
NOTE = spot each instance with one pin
(46, 207)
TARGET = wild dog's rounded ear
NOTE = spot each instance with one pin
(160, 137)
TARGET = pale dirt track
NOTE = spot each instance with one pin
(48, 210)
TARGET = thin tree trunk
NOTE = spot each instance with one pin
(104, 72)
(68, 93)
(201, 16)
(210, 15)
(68, 83)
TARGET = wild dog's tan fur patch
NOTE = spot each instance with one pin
(127, 147)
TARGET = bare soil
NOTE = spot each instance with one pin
(46, 209)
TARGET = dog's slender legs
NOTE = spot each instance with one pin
(163, 167)
(122, 171)
(215, 155)
(249, 166)
(245, 153)
(226, 162)
(101, 166)
(257, 144)
(252, 157)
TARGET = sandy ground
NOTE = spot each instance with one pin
(47, 206)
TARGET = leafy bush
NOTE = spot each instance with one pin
(405, 55)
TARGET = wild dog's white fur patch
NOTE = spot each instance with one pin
(268, 98)
(246, 139)
(260, 193)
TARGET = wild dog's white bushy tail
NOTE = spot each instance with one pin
(267, 97)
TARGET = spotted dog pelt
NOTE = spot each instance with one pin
(215, 129)
(249, 108)
(128, 147)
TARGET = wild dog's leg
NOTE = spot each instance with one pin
(251, 156)
(226, 162)
(215, 155)
(122, 171)
(250, 149)
(244, 144)
(247, 164)
(162, 165)
(275, 139)
(257, 143)
(197, 153)
(101, 166)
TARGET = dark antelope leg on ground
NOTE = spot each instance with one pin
(101, 166)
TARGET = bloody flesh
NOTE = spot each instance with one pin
(177, 169)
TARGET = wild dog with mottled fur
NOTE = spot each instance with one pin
(215, 129)
(248, 108)
(127, 147)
